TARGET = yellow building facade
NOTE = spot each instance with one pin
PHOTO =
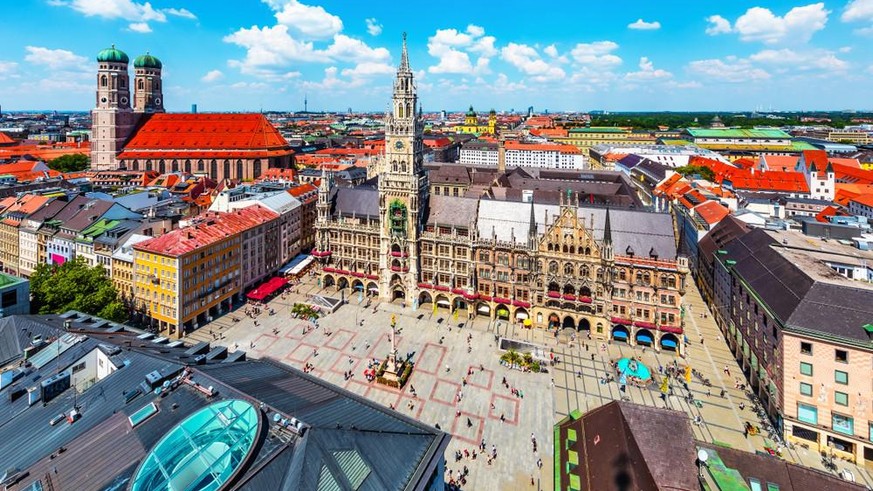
(585, 138)
(471, 124)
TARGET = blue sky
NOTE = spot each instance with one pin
(631, 55)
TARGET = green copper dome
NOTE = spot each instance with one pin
(147, 61)
(471, 112)
(112, 55)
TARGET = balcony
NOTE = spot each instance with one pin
(585, 299)
(554, 294)
(399, 269)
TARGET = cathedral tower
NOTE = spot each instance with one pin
(148, 97)
(112, 119)
(403, 189)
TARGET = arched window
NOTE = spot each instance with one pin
(256, 169)
(225, 168)
(584, 273)
(174, 166)
(671, 281)
(400, 110)
(239, 169)
(188, 166)
(103, 81)
(587, 251)
(134, 165)
(553, 267)
(568, 269)
(200, 167)
(140, 85)
(408, 110)
(599, 274)
(162, 167)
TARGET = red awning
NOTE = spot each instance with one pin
(267, 288)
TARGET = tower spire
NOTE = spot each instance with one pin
(404, 56)
(607, 229)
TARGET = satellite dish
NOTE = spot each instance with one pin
(702, 455)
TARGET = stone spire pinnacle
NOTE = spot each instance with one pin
(404, 56)
(607, 229)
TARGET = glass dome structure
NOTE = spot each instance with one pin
(203, 452)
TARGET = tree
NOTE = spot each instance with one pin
(703, 172)
(70, 163)
(75, 286)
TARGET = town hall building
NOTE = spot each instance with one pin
(135, 133)
(613, 272)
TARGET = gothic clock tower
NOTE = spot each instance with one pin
(403, 190)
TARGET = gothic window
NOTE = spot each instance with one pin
(239, 169)
(400, 111)
(135, 165)
(671, 281)
(408, 110)
(226, 168)
(553, 267)
(599, 274)
(403, 166)
(200, 166)
(162, 167)
(123, 83)
(394, 166)
(568, 269)
(188, 166)
(256, 170)
(104, 81)
(140, 85)
(584, 272)
(587, 251)
(174, 166)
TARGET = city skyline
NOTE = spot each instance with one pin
(272, 54)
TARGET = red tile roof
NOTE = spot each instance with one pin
(5, 140)
(541, 147)
(828, 211)
(780, 162)
(786, 182)
(212, 228)
(206, 136)
(864, 199)
(844, 173)
(711, 211)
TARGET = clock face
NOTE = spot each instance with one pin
(398, 144)
(102, 99)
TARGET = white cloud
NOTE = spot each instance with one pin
(761, 24)
(845, 49)
(647, 72)
(692, 84)
(527, 60)
(502, 84)
(8, 69)
(809, 60)
(345, 48)
(140, 27)
(642, 25)
(732, 70)
(597, 54)
(858, 10)
(312, 22)
(139, 14)
(453, 49)
(368, 68)
(271, 49)
(374, 28)
(212, 76)
(184, 13)
(717, 25)
(56, 59)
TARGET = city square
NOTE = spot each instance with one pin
(436, 342)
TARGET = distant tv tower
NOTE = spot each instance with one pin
(305, 104)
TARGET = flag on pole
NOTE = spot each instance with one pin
(456, 314)
(434, 308)
(688, 373)
(665, 385)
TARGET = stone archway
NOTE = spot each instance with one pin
(643, 337)
(584, 325)
(424, 298)
(398, 294)
(521, 314)
(501, 311)
(329, 280)
(372, 289)
(482, 308)
(357, 285)
(569, 323)
(342, 283)
(442, 302)
(669, 342)
(620, 333)
(554, 320)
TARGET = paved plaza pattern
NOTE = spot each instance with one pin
(461, 389)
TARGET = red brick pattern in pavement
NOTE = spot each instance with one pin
(460, 430)
(507, 406)
(445, 392)
(430, 360)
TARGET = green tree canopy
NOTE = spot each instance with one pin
(70, 163)
(75, 286)
(704, 172)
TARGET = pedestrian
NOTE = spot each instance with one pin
(502, 418)
(482, 446)
(539, 463)
(447, 368)
(592, 356)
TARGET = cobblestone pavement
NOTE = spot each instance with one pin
(484, 399)
(575, 383)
